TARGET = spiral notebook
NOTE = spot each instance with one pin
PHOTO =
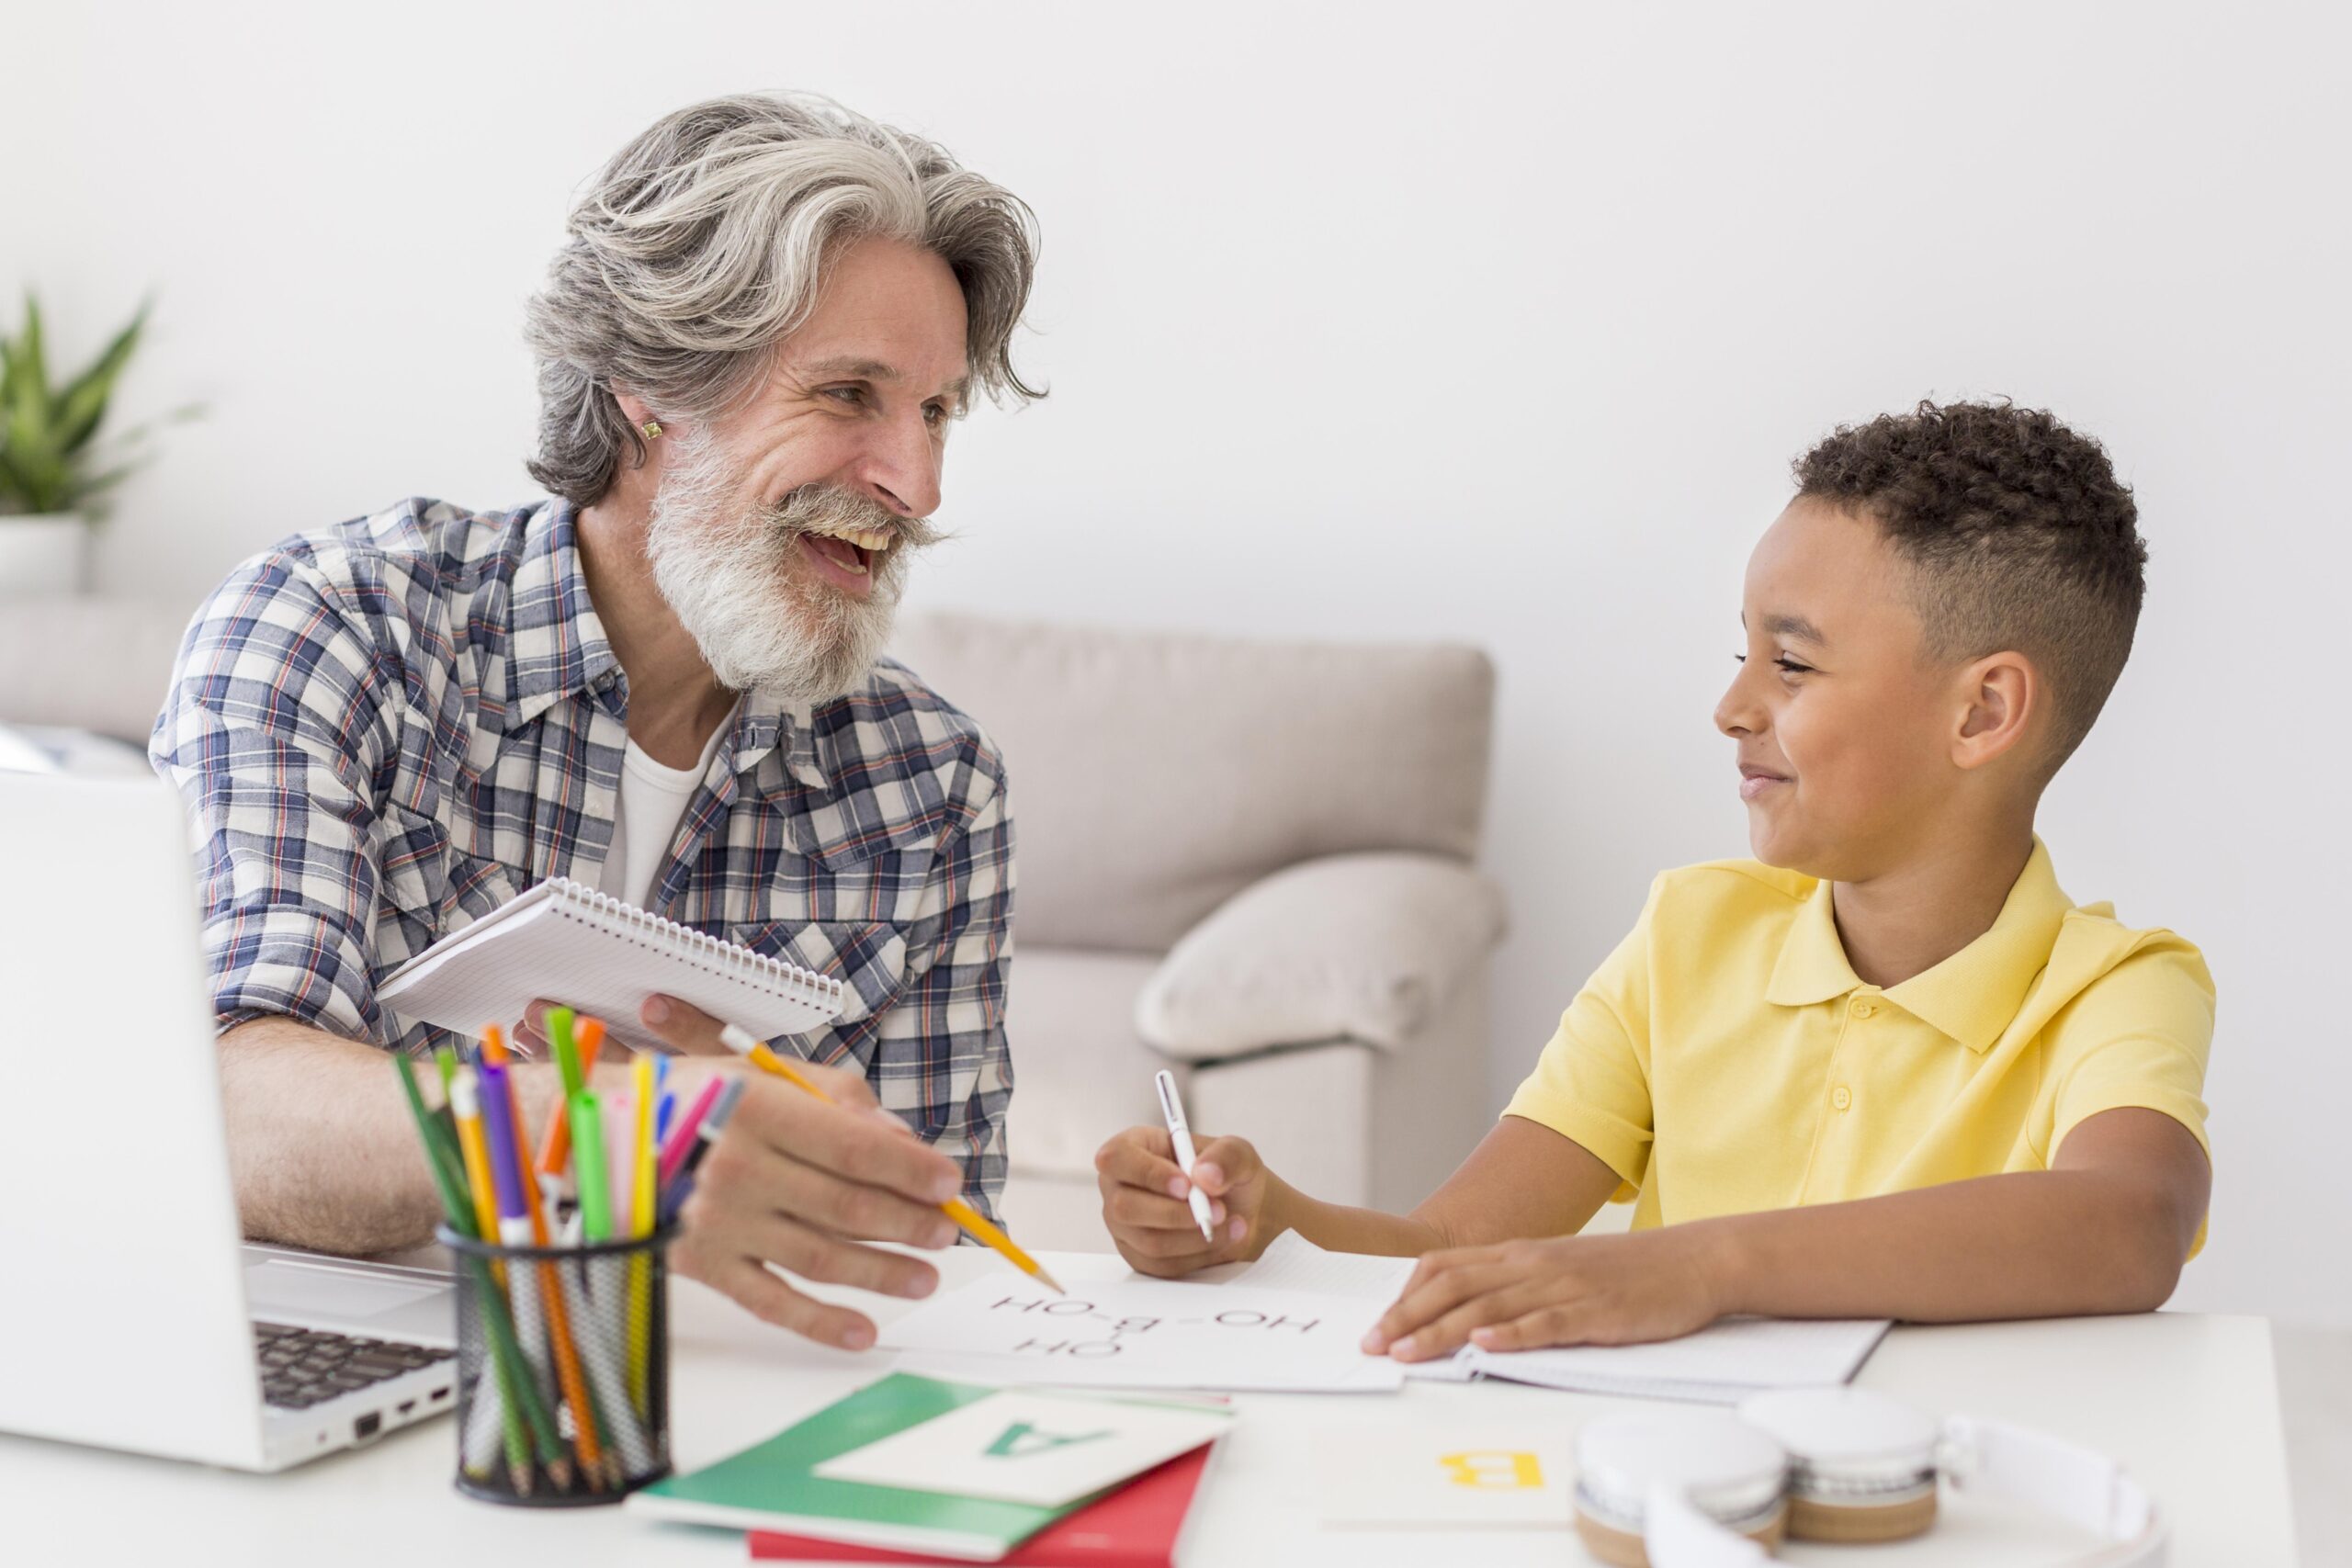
(568, 942)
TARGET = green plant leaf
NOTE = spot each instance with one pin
(28, 345)
(83, 403)
(13, 486)
(77, 493)
(48, 459)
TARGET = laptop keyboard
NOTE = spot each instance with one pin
(300, 1366)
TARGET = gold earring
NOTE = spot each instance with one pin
(652, 428)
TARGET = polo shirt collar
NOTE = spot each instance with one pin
(557, 647)
(1972, 996)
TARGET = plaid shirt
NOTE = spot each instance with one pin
(387, 729)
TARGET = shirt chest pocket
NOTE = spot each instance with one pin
(427, 889)
(869, 957)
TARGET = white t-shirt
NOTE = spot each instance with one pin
(653, 798)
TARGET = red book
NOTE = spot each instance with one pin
(1134, 1526)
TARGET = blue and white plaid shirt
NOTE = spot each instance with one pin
(389, 728)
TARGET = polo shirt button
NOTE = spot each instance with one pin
(1863, 1009)
(1841, 1097)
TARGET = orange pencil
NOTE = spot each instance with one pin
(566, 1355)
(974, 1224)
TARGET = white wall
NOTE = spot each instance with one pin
(1470, 322)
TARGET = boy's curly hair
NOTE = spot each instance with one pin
(2018, 536)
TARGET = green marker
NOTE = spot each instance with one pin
(567, 1050)
(588, 1154)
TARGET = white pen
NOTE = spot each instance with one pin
(1181, 1135)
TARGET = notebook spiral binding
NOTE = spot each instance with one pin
(722, 957)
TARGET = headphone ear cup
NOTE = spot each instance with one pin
(1861, 1466)
(1679, 1489)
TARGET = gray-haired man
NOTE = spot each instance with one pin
(664, 682)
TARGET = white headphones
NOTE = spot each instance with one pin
(1711, 1489)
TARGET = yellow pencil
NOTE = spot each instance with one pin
(974, 1224)
(640, 1213)
(465, 1107)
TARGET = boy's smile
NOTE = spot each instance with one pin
(1844, 729)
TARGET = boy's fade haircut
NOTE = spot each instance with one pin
(2018, 535)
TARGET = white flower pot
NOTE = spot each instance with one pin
(44, 556)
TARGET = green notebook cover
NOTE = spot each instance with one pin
(768, 1486)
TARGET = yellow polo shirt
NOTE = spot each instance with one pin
(1725, 1058)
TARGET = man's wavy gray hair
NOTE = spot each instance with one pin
(705, 242)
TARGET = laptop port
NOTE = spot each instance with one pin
(439, 1394)
(367, 1425)
(406, 1405)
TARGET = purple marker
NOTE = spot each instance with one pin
(498, 1131)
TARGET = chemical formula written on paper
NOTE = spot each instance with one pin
(1082, 1339)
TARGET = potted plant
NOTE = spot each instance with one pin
(54, 473)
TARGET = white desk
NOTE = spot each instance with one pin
(2189, 1403)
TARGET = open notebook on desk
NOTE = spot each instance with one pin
(566, 942)
(1722, 1364)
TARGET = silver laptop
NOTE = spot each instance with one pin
(130, 1315)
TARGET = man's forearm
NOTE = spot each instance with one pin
(2039, 1244)
(320, 1141)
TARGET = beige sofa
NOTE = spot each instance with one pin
(1249, 861)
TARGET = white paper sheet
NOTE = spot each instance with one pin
(1138, 1333)
(1291, 1262)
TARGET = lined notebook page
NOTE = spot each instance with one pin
(1722, 1364)
(570, 943)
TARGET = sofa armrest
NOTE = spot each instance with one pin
(1349, 947)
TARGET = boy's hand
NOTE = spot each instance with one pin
(1149, 1217)
(1522, 1295)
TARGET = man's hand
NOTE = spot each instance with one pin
(1150, 1218)
(796, 1183)
(1521, 1295)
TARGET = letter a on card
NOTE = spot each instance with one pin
(1032, 1446)
(1021, 1440)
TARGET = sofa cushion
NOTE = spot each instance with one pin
(1155, 775)
(1352, 947)
(88, 663)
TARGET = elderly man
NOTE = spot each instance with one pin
(664, 682)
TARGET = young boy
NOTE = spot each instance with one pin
(1886, 1068)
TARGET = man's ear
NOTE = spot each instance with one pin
(2001, 694)
(633, 408)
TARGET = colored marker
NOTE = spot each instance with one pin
(680, 1183)
(682, 1140)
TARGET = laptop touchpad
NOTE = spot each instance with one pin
(286, 1290)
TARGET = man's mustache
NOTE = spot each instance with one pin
(830, 509)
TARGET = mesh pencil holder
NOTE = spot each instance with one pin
(563, 1369)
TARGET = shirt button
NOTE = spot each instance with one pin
(1864, 1009)
(1841, 1097)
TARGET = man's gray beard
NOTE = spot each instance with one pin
(758, 611)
